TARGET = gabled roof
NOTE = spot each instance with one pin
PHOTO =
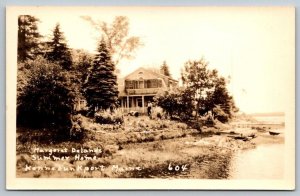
(150, 74)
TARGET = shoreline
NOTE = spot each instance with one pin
(161, 149)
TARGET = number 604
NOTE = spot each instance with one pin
(178, 167)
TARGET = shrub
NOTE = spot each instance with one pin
(46, 100)
(219, 114)
(182, 126)
(157, 113)
(77, 131)
(108, 117)
(176, 103)
(133, 113)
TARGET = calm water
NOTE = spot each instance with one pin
(263, 162)
(270, 119)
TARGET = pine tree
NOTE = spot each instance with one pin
(221, 101)
(100, 88)
(165, 69)
(28, 38)
(58, 50)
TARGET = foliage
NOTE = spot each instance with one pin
(224, 106)
(100, 88)
(46, 100)
(77, 131)
(157, 113)
(165, 69)
(58, 50)
(82, 62)
(28, 38)
(219, 114)
(23, 76)
(108, 117)
(176, 103)
(118, 42)
(208, 90)
(196, 78)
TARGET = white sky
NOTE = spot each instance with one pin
(255, 46)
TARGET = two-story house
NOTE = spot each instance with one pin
(136, 89)
(139, 87)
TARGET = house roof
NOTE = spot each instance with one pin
(152, 74)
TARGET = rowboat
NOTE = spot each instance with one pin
(273, 133)
(244, 138)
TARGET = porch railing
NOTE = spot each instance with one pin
(143, 91)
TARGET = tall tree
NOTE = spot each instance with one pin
(195, 77)
(208, 90)
(58, 50)
(82, 62)
(220, 102)
(117, 38)
(101, 89)
(28, 38)
(165, 69)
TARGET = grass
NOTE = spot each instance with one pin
(139, 148)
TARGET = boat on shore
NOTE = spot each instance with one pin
(273, 133)
(241, 137)
(244, 138)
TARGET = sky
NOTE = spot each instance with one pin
(255, 47)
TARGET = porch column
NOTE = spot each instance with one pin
(127, 103)
(143, 103)
(132, 102)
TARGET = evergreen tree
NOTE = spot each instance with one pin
(100, 88)
(58, 50)
(165, 69)
(28, 38)
(220, 102)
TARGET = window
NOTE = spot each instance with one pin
(154, 83)
(128, 84)
(139, 84)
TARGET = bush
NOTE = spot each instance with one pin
(220, 115)
(157, 113)
(108, 117)
(77, 131)
(176, 104)
(46, 101)
(133, 113)
(208, 120)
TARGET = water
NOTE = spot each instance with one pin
(270, 119)
(263, 162)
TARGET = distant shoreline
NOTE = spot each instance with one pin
(267, 114)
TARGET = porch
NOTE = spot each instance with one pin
(135, 103)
